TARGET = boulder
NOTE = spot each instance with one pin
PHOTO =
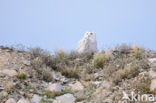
(36, 99)
(77, 86)
(88, 44)
(8, 72)
(152, 74)
(153, 85)
(23, 101)
(11, 100)
(66, 98)
(55, 87)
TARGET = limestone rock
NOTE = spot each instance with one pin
(66, 98)
(77, 86)
(8, 72)
(152, 74)
(55, 87)
(11, 100)
(88, 44)
(23, 101)
(152, 61)
(153, 85)
(36, 99)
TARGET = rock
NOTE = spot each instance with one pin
(77, 86)
(153, 85)
(1, 89)
(8, 72)
(26, 62)
(36, 99)
(55, 87)
(88, 44)
(59, 78)
(109, 54)
(3, 94)
(66, 98)
(152, 74)
(11, 100)
(97, 83)
(106, 84)
(152, 61)
(107, 101)
(23, 101)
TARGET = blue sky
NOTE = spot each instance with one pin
(53, 24)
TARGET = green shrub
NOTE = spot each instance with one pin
(21, 75)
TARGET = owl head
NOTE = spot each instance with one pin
(89, 35)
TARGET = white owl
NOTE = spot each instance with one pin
(88, 44)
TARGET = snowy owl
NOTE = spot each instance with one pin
(88, 44)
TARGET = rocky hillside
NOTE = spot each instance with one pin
(36, 76)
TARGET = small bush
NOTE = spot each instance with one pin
(99, 59)
(123, 47)
(128, 72)
(70, 72)
(46, 74)
(21, 75)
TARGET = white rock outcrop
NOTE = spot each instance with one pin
(11, 100)
(153, 85)
(88, 44)
(66, 98)
(56, 87)
(36, 99)
(77, 86)
(23, 101)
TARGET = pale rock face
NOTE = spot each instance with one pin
(153, 85)
(55, 87)
(88, 44)
(11, 100)
(66, 98)
(152, 61)
(23, 101)
(152, 74)
(36, 99)
(8, 72)
(77, 86)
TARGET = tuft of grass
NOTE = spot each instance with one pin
(70, 72)
(21, 75)
(129, 71)
(50, 94)
(99, 59)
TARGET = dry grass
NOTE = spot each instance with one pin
(99, 59)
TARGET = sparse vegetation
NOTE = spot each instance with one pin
(21, 75)
(99, 59)
(122, 67)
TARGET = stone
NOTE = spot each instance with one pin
(88, 44)
(23, 101)
(152, 61)
(11, 100)
(55, 87)
(66, 98)
(77, 86)
(36, 99)
(26, 62)
(1, 89)
(152, 74)
(108, 101)
(8, 72)
(153, 85)
(109, 54)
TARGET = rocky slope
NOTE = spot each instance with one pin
(36, 76)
